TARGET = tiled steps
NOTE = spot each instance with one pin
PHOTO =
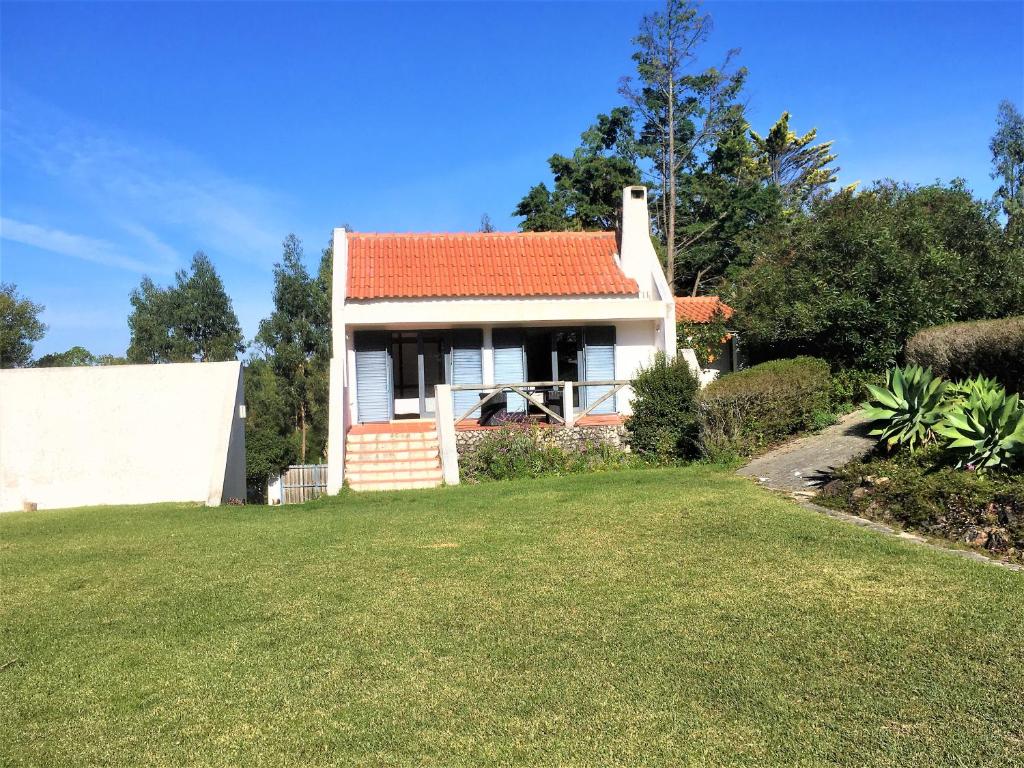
(392, 460)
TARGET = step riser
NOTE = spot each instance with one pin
(391, 475)
(391, 437)
(390, 456)
(430, 465)
(403, 486)
(397, 445)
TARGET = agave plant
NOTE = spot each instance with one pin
(985, 430)
(908, 407)
(963, 390)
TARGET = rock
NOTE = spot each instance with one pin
(976, 537)
(859, 493)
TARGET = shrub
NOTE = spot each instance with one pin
(664, 420)
(520, 451)
(960, 350)
(907, 408)
(745, 411)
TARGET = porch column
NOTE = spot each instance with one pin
(487, 356)
(568, 412)
(444, 416)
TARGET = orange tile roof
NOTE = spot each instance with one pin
(485, 264)
(700, 309)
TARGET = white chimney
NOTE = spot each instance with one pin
(636, 251)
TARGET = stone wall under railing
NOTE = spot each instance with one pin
(566, 438)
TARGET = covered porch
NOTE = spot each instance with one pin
(541, 374)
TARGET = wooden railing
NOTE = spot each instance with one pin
(528, 390)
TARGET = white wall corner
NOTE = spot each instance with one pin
(337, 425)
(339, 286)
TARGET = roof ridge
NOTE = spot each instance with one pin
(482, 234)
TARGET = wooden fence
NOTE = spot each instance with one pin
(302, 482)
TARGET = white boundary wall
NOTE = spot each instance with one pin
(124, 434)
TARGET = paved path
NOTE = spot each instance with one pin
(801, 466)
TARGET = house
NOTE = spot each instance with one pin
(439, 333)
(121, 434)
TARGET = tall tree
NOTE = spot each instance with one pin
(20, 327)
(270, 443)
(723, 203)
(797, 166)
(588, 185)
(683, 112)
(191, 320)
(1007, 148)
(296, 336)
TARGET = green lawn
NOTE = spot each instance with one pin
(651, 617)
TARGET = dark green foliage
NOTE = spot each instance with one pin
(20, 327)
(76, 356)
(922, 492)
(744, 412)
(520, 451)
(850, 388)
(192, 320)
(270, 440)
(588, 185)
(853, 280)
(664, 421)
(993, 348)
(723, 204)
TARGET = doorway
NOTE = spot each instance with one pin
(420, 361)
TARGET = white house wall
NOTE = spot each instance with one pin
(425, 313)
(132, 434)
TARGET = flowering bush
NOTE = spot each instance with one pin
(521, 450)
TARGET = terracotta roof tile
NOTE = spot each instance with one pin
(700, 309)
(485, 264)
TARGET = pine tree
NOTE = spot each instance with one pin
(683, 113)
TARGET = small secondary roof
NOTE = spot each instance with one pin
(700, 309)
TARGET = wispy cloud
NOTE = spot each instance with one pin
(69, 244)
(140, 192)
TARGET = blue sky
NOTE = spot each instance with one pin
(133, 135)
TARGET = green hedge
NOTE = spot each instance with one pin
(993, 348)
(741, 413)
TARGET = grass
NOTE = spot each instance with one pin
(643, 617)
